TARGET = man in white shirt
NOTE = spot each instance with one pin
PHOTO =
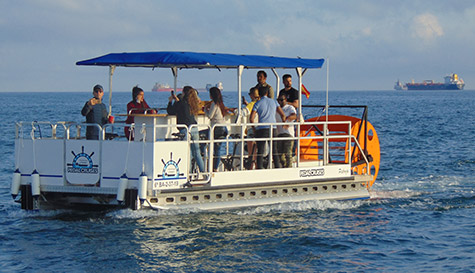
(284, 147)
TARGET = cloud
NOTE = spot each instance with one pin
(361, 37)
(269, 41)
(367, 31)
(426, 27)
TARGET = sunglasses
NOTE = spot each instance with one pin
(280, 100)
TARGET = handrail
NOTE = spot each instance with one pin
(240, 139)
(364, 118)
(35, 126)
(364, 155)
(80, 125)
(272, 138)
(146, 110)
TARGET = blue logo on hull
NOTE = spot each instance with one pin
(82, 163)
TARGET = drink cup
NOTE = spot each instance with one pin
(111, 119)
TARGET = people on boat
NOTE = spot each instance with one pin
(185, 110)
(216, 111)
(247, 108)
(254, 95)
(251, 145)
(291, 94)
(284, 147)
(261, 81)
(137, 105)
(266, 108)
(95, 112)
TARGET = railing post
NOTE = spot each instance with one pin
(298, 143)
(242, 148)
(349, 144)
(271, 144)
(78, 131)
(53, 131)
(17, 129)
(210, 160)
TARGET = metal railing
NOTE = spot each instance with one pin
(363, 125)
(235, 141)
(41, 130)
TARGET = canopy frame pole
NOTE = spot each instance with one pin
(175, 76)
(277, 84)
(300, 73)
(325, 132)
(111, 73)
(240, 68)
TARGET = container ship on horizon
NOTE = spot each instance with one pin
(452, 82)
(159, 87)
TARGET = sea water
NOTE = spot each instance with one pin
(420, 218)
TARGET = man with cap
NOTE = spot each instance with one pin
(95, 112)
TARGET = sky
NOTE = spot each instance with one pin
(368, 44)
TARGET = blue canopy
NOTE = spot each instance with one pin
(199, 60)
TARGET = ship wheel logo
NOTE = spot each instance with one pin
(82, 163)
(171, 168)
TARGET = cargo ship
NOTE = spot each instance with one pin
(399, 86)
(452, 82)
(160, 87)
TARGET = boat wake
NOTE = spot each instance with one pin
(319, 205)
(59, 214)
(138, 214)
(429, 193)
(406, 186)
(396, 194)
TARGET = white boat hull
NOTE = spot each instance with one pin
(204, 197)
(75, 172)
(258, 195)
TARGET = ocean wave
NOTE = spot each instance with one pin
(149, 213)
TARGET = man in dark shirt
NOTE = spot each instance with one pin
(290, 93)
(95, 112)
(292, 96)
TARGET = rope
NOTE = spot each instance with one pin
(32, 134)
(17, 157)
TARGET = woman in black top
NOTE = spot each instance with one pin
(185, 110)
